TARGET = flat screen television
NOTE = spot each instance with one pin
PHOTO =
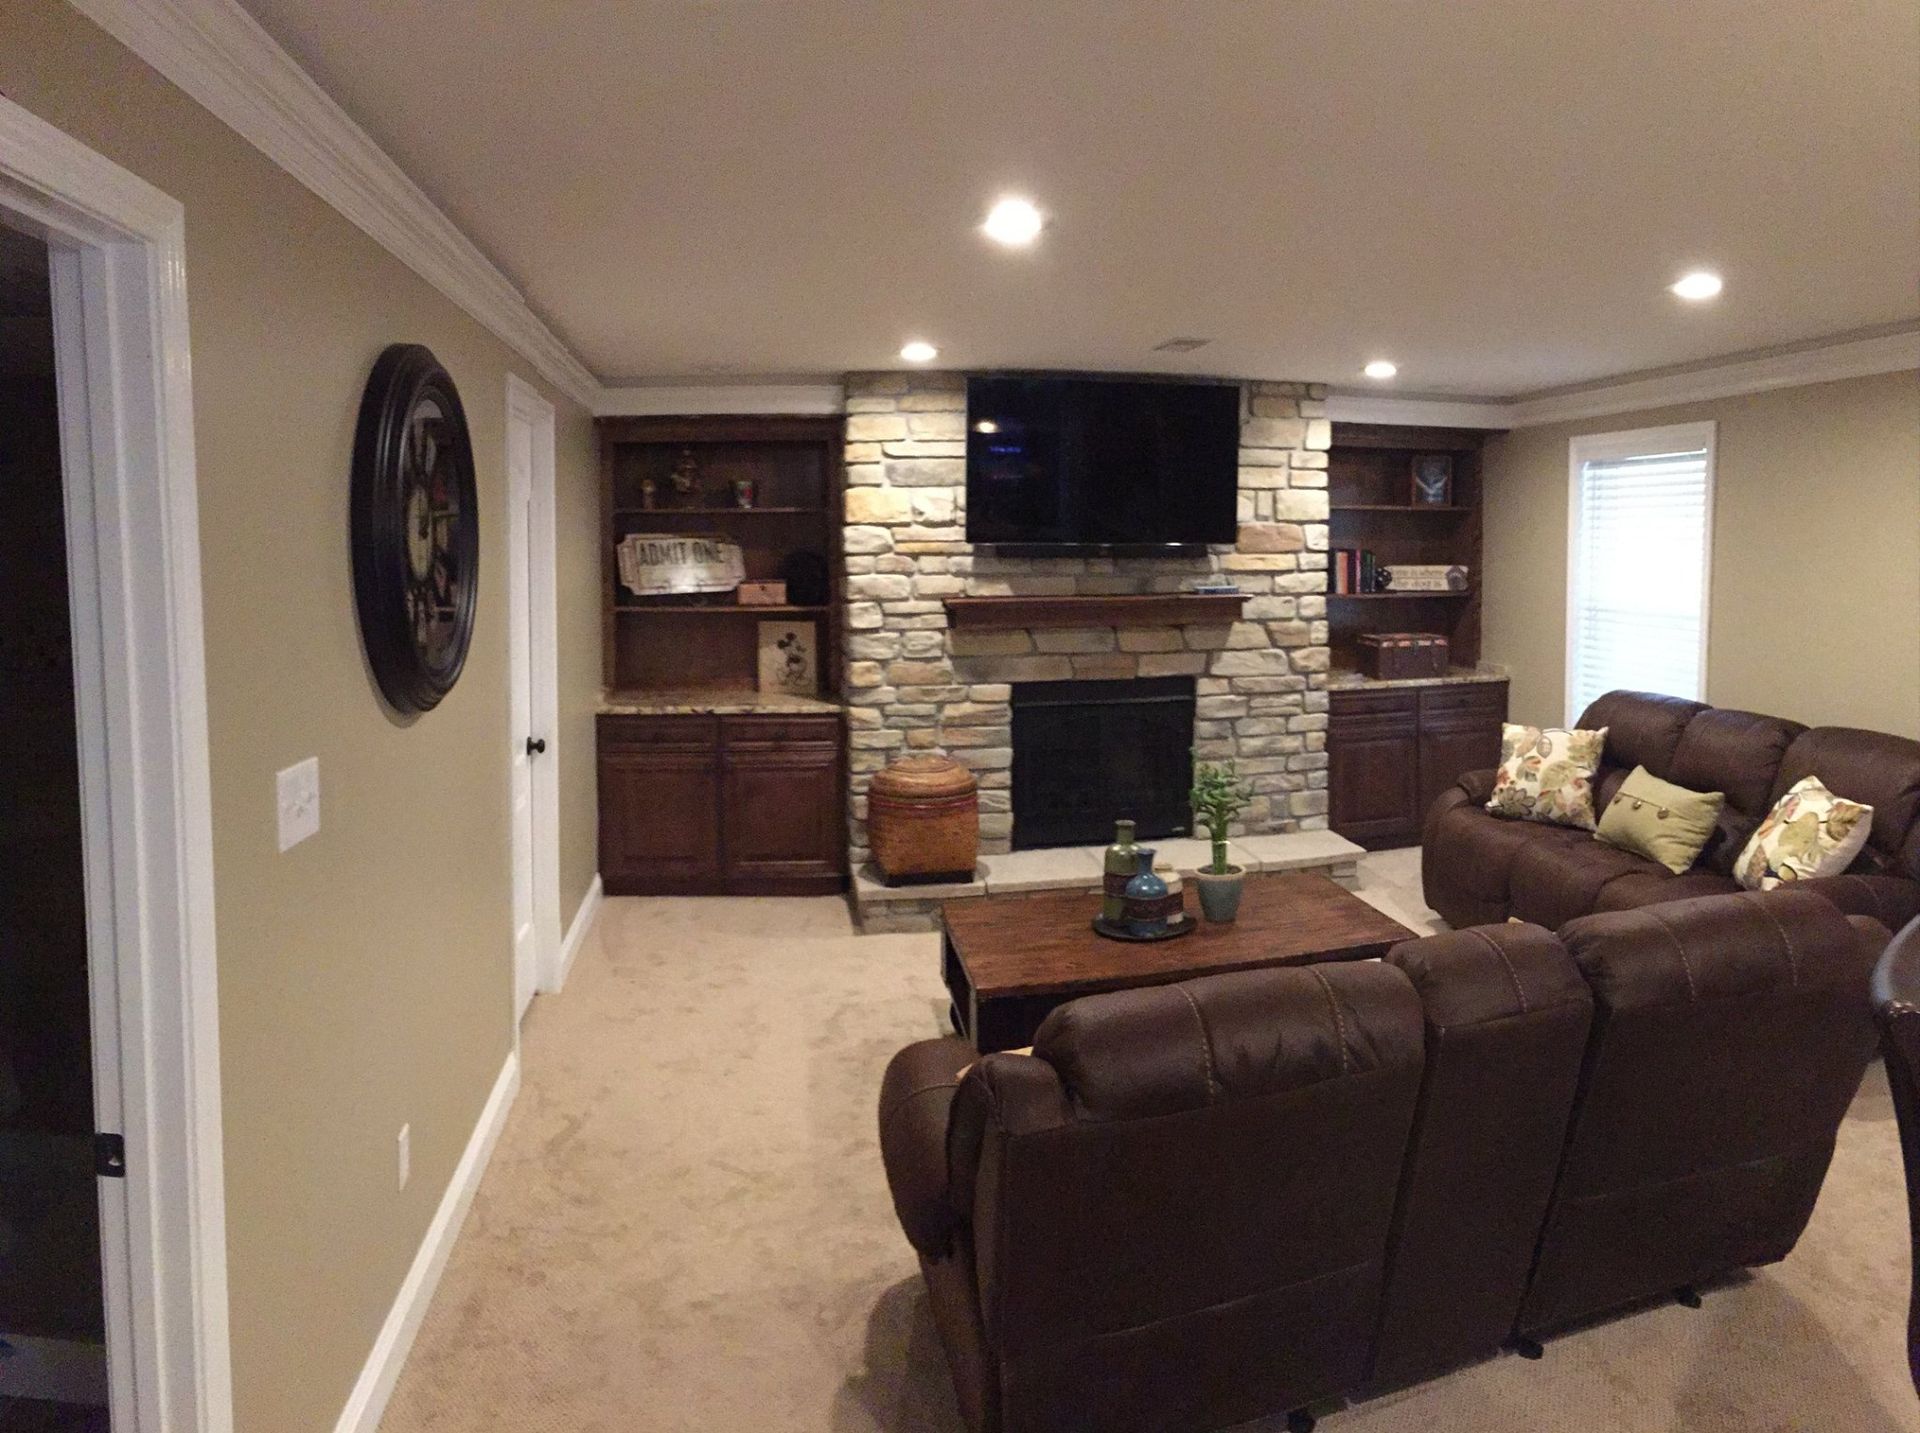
(1077, 463)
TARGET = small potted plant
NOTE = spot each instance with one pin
(1218, 796)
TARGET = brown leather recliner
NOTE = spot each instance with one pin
(1174, 1214)
(1896, 1005)
(1195, 1204)
(1478, 868)
(1729, 1037)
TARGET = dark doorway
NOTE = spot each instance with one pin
(52, 1321)
(1086, 754)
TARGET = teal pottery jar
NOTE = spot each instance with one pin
(1146, 904)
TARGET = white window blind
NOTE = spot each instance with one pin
(1638, 563)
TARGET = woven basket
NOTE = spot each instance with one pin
(923, 820)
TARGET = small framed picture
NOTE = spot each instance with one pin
(789, 659)
(1433, 480)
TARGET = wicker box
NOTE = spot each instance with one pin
(1395, 656)
(923, 820)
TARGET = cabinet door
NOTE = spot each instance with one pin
(659, 809)
(1459, 732)
(1373, 752)
(783, 812)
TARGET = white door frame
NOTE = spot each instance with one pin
(526, 406)
(126, 413)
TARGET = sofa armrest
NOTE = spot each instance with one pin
(916, 1098)
(1891, 900)
(1478, 786)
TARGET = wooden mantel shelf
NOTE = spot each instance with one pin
(1156, 609)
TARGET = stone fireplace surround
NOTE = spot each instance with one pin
(912, 684)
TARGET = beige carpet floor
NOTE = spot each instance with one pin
(685, 1226)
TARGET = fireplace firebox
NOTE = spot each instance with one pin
(1088, 753)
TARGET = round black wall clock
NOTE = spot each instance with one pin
(416, 534)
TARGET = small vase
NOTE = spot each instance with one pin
(1146, 904)
(1220, 894)
(1120, 866)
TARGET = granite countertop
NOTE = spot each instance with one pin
(695, 702)
(1341, 679)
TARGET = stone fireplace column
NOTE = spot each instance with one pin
(913, 685)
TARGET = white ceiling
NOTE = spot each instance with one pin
(1494, 193)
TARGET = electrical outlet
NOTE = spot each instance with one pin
(406, 1154)
(298, 789)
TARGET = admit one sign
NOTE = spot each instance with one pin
(663, 565)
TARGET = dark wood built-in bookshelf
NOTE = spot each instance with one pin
(708, 786)
(1370, 496)
(708, 642)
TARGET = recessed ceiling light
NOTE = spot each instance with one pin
(1698, 285)
(986, 425)
(919, 351)
(1381, 368)
(1181, 345)
(1014, 222)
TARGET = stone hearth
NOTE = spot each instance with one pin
(913, 684)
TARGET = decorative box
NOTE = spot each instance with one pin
(923, 820)
(762, 594)
(1395, 656)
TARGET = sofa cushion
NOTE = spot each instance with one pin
(1555, 881)
(1546, 774)
(1661, 821)
(1646, 888)
(1810, 832)
(1893, 901)
(1874, 769)
(1466, 857)
(1643, 728)
(1734, 752)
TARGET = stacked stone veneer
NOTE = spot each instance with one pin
(913, 685)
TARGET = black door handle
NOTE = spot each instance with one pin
(536, 745)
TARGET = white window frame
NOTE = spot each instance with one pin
(1635, 442)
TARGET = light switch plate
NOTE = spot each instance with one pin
(405, 1149)
(299, 797)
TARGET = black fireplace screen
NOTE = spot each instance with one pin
(1086, 754)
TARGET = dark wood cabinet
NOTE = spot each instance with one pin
(1393, 750)
(713, 805)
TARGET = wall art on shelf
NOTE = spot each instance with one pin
(668, 565)
(789, 659)
(1433, 480)
(1428, 577)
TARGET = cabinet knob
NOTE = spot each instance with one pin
(536, 745)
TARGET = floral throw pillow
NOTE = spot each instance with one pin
(1810, 832)
(1546, 774)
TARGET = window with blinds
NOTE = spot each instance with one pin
(1637, 563)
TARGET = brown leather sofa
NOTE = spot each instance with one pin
(1477, 867)
(1196, 1204)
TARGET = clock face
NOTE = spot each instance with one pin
(415, 540)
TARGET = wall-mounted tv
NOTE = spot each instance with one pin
(1076, 463)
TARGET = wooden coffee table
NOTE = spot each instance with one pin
(1009, 960)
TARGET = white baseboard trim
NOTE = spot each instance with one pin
(368, 1401)
(583, 920)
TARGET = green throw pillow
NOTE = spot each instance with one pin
(1661, 821)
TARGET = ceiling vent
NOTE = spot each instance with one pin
(1181, 345)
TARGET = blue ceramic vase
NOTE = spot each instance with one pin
(1146, 897)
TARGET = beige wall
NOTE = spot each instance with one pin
(365, 976)
(1815, 607)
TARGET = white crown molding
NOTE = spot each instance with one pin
(649, 401)
(1419, 412)
(1823, 363)
(219, 54)
(1828, 363)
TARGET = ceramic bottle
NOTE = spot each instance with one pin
(1120, 867)
(1146, 897)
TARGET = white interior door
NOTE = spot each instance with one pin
(526, 742)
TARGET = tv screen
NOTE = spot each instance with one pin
(1104, 463)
